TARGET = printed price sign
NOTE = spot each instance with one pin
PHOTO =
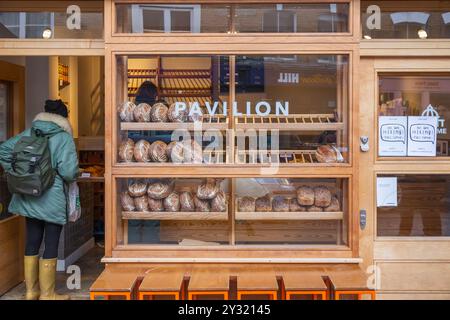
(422, 136)
(392, 136)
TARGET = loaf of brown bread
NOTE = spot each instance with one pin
(187, 201)
(314, 209)
(174, 152)
(246, 204)
(208, 189)
(141, 203)
(294, 206)
(280, 204)
(126, 110)
(141, 151)
(201, 205)
(305, 196)
(142, 112)
(126, 201)
(192, 152)
(334, 206)
(137, 189)
(263, 204)
(155, 205)
(172, 202)
(158, 152)
(175, 115)
(219, 203)
(328, 154)
(322, 197)
(159, 112)
(160, 189)
(126, 151)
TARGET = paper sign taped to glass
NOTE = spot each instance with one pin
(422, 136)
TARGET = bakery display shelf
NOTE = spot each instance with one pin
(165, 215)
(275, 156)
(278, 216)
(294, 122)
(217, 122)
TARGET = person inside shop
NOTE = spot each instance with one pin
(38, 181)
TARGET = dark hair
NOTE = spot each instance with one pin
(57, 107)
(147, 93)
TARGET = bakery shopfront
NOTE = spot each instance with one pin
(275, 150)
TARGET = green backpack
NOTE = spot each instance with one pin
(31, 166)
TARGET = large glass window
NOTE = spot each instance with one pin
(405, 19)
(413, 206)
(85, 21)
(405, 101)
(287, 109)
(233, 18)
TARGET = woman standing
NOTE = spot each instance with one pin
(45, 215)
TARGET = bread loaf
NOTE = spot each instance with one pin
(294, 206)
(305, 196)
(263, 204)
(158, 152)
(141, 151)
(334, 206)
(126, 201)
(126, 151)
(172, 202)
(314, 209)
(175, 115)
(142, 112)
(174, 151)
(322, 197)
(159, 112)
(141, 203)
(201, 205)
(161, 189)
(137, 189)
(187, 201)
(126, 111)
(328, 154)
(219, 203)
(155, 205)
(246, 204)
(280, 204)
(208, 189)
(192, 152)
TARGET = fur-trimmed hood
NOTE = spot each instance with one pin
(56, 119)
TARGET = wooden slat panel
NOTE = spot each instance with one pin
(163, 279)
(256, 279)
(209, 279)
(115, 281)
(303, 280)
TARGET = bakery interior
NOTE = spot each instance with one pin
(79, 82)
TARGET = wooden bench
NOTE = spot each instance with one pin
(167, 282)
(114, 283)
(349, 280)
(304, 283)
(257, 283)
(208, 282)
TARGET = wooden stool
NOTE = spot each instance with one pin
(349, 281)
(304, 284)
(162, 282)
(209, 282)
(113, 283)
(257, 283)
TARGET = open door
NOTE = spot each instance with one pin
(12, 112)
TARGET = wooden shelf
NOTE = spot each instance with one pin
(289, 216)
(166, 215)
(282, 156)
(170, 126)
(295, 122)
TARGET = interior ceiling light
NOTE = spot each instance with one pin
(47, 33)
(422, 34)
(367, 37)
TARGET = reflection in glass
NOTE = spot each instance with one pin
(423, 208)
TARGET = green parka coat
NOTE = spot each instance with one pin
(51, 206)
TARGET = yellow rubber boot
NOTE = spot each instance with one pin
(47, 280)
(31, 268)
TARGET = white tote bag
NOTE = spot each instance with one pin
(74, 202)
